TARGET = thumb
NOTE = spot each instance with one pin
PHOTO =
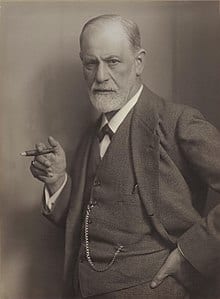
(54, 143)
(159, 277)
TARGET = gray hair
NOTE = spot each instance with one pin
(130, 28)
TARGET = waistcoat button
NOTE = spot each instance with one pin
(92, 203)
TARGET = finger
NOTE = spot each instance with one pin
(39, 174)
(41, 166)
(42, 163)
(159, 277)
(43, 159)
(40, 146)
(54, 143)
(42, 178)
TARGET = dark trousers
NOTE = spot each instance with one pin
(169, 289)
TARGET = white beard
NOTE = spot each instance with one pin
(108, 102)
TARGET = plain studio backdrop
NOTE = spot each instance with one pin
(43, 93)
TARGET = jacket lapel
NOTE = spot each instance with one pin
(145, 153)
(145, 150)
(79, 179)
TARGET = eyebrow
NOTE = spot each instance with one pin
(104, 57)
(111, 56)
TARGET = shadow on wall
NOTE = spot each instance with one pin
(35, 251)
(32, 247)
(63, 106)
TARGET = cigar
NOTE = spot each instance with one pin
(32, 153)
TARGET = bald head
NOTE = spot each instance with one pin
(130, 29)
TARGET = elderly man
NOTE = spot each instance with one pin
(132, 206)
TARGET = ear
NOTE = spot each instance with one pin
(139, 61)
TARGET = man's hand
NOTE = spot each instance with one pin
(175, 265)
(50, 168)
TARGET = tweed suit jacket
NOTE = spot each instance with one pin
(176, 158)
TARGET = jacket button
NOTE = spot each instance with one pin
(96, 183)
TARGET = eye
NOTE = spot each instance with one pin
(113, 61)
(89, 64)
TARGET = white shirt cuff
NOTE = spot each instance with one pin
(50, 200)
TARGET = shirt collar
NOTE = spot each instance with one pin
(118, 118)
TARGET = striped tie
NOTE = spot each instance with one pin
(106, 130)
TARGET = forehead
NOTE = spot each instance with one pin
(105, 39)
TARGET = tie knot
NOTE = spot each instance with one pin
(106, 130)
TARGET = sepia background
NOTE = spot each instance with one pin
(42, 93)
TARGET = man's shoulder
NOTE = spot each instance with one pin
(164, 116)
(171, 111)
(167, 110)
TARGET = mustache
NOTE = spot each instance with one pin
(103, 88)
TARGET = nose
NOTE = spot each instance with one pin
(101, 73)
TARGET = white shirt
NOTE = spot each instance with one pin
(114, 124)
(116, 120)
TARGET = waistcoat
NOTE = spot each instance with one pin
(119, 248)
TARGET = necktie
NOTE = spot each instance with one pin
(106, 130)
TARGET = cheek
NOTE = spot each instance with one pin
(124, 76)
(89, 76)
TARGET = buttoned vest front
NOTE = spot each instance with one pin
(124, 250)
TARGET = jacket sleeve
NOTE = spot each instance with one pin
(58, 213)
(200, 143)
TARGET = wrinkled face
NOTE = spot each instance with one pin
(110, 66)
